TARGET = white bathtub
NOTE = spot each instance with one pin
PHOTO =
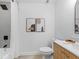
(5, 54)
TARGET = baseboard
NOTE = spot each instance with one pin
(16, 57)
(28, 53)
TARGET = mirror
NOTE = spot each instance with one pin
(5, 24)
(77, 17)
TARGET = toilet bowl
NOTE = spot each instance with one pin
(45, 51)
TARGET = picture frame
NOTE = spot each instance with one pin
(35, 24)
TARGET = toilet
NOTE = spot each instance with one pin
(45, 51)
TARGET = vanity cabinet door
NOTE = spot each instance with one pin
(73, 56)
(60, 53)
(57, 52)
(69, 55)
(65, 54)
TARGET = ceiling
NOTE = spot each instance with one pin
(5, 0)
(31, 1)
(36, 1)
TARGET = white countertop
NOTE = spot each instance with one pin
(72, 47)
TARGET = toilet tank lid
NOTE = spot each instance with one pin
(45, 49)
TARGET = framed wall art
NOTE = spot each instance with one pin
(35, 25)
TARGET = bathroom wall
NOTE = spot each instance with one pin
(30, 42)
(64, 16)
(14, 44)
(36, 1)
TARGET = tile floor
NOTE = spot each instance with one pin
(34, 57)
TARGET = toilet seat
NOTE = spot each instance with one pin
(45, 49)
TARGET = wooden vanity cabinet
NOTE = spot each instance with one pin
(61, 53)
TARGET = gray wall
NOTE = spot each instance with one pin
(64, 16)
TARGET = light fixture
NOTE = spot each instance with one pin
(47, 1)
(12, 0)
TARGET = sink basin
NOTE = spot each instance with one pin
(70, 41)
